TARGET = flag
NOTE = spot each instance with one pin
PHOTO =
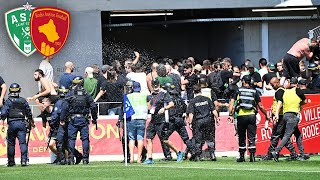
(128, 109)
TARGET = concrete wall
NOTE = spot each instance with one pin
(83, 47)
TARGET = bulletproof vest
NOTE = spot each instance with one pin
(79, 103)
(246, 99)
(17, 110)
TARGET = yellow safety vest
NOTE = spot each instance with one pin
(291, 101)
(275, 102)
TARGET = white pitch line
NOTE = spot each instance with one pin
(234, 169)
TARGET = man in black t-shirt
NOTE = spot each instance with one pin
(189, 81)
(201, 118)
(159, 105)
(3, 90)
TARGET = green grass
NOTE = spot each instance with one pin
(224, 168)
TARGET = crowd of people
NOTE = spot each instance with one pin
(176, 92)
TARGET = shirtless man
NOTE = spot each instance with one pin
(152, 75)
(47, 88)
(297, 52)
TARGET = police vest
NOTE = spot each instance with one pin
(246, 99)
(79, 103)
(291, 101)
(275, 102)
(17, 110)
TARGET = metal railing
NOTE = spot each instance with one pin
(35, 109)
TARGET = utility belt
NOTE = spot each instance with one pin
(73, 116)
(16, 119)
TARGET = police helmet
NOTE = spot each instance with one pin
(168, 86)
(14, 88)
(313, 66)
(155, 83)
(77, 80)
(129, 87)
(63, 91)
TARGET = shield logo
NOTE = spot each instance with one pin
(18, 27)
(49, 29)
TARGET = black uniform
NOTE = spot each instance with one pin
(246, 108)
(203, 123)
(176, 121)
(15, 110)
(156, 124)
(79, 105)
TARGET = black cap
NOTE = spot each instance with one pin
(293, 80)
(246, 78)
(302, 82)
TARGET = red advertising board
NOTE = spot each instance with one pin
(105, 140)
(309, 126)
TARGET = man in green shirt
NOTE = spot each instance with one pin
(90, 83)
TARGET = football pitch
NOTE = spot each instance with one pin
(223, 168)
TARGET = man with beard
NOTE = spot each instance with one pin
(47, 88)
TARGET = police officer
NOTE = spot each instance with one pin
(60, 120)
(176, 117)
(279, 124)
(79, 104)
(201, 118)
(159, 103)
(247, 102)
(15, 110)
(293, 98)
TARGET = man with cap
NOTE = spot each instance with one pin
(159, 103)
(293, 99)
(137, 124)
(90, 83)
(302, 84)
(256, 78)
(267, 88)
(248, 101)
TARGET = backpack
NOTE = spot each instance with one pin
(215, 80)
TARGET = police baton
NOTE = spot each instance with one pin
(2, 129)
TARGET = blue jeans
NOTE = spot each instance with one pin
(136, 129)
(17, 129)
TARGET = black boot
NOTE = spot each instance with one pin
(213, 157)
(252, 158)
(23, 163)
(85, 161)
(241, 159)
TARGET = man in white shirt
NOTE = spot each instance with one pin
(263, 67)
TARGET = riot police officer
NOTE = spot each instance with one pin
(247, 101)
(79, 105)
(60, 119)
(15, 110)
